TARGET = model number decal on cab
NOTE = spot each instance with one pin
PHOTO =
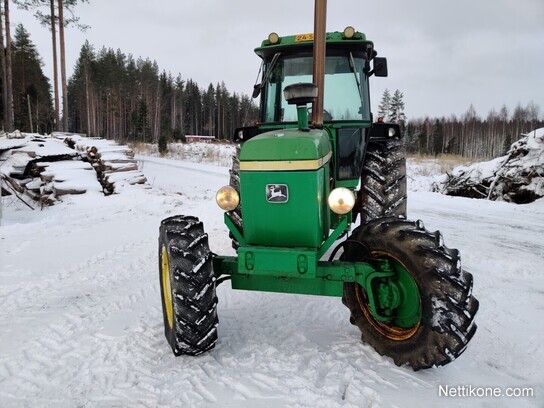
(304, 37)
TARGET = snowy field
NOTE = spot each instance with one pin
(81, 322)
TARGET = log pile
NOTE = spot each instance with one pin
(23, 163)
(517, 177)
(114, 164)
(48, 168)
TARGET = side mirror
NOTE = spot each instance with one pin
(256, 90)
(380, 67)
(243, 134)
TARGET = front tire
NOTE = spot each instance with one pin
(447, 307)
(189, 301)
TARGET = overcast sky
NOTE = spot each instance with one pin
(444, 55)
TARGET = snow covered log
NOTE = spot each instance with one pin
(13, 183)
(24, 160)
(107, 157)
(517, 177)
(48, 167)
(69, 177)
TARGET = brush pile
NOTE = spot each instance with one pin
(517, 177)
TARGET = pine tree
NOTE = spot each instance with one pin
(32, 105)
(82, 99)
(163, 145)
(384, 109)
(507, 144)
(438, 137)
(397, 108)
(51, 18)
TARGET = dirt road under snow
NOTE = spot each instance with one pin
(81, 325)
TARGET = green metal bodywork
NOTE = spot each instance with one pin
(289, 145)
(303, 219)
(281, 244)
(293, 42)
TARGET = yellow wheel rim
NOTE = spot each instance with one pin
(166, 288)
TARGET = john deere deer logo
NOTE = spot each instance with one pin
(277, 193)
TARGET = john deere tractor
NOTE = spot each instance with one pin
(317, 205)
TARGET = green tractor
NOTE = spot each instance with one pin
(319, 207)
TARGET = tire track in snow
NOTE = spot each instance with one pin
(35, 293)
(119, 325)
(296, 348)
(66, 343)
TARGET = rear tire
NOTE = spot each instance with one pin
(446, 322)
(383, 182)
(189, 301)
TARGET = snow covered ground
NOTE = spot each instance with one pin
(81, 322)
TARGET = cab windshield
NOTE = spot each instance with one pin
(346, 90)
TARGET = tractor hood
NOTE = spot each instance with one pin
(286, 145)
(284, 183)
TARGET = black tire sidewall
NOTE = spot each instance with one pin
(435, 342)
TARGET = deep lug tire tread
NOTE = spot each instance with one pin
(448, 307)
(193, 286)
(383, 190)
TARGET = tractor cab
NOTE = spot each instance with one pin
(347, 117)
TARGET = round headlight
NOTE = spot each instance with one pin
(341, 200)
(273, 38)
(349, 32)
(227, 198)
(392, 132)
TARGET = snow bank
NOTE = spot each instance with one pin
(219, 154)
(517, 177)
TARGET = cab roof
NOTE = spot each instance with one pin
(336, 39)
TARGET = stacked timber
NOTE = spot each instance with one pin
(47, 168)
(44, 169)
(114, 164)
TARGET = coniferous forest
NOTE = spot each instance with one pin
(114, 95)
(117, 96)
(32, 104)
(110, 94)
